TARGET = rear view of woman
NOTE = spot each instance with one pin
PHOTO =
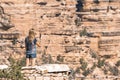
(30, 45)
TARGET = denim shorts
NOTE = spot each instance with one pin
(30, 55)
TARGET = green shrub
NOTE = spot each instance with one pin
(101, 62)
(14, 71)
(86, 72)
(47, 58)
(94, 55)
(83, 64)
(83, 32)
(50, 60)
(60, 58)
(72, 74)
(114, 70)
(118, 63)
(77, 21)
(105, 71)
(81, 60)
(93, 67)
(77, 70)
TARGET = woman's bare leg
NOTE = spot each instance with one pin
(30, 61)
(33, 61)
(27, 62)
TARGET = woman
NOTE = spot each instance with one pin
(30, 45)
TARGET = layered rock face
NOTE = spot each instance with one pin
(55, 21)
(68, 30)
(103, 17)
(52, 20)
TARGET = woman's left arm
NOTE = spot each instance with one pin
(38, 44)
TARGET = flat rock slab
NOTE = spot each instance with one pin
(49, 68)
(3, 67)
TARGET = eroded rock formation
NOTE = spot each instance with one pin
(68, 30)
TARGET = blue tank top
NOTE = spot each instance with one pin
(30, 46)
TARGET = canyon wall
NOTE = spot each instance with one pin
(68, 30)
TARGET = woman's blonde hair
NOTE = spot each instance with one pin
(31, 35)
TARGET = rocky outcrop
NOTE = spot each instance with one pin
(5, 22)
(47, 71)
